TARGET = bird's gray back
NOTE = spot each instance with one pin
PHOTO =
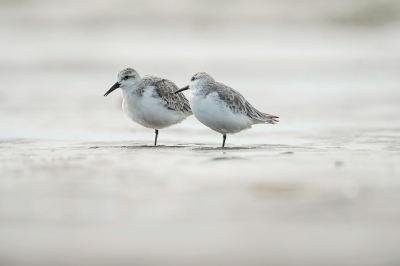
(237, 103)
(165, 89)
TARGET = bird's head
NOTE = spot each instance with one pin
(198, 81)
(127, 77)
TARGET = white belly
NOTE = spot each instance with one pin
(150, 112)
(214, 113)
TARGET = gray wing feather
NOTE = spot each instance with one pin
(166, 91)
(238, 104)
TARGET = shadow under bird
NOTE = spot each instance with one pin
(151, 101)
(222, 108)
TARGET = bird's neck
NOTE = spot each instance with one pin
(131, 92)
(203, 88)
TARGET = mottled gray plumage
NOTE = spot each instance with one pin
(238, 104)
(235, 101)
(166, 89)
(222, 108)
(151, 101)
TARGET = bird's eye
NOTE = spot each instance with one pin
(126, 77)
(193, 78)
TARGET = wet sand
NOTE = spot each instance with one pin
(115, 203)
(80, 184)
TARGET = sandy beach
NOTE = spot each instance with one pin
(81, 184)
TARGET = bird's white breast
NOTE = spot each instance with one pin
(214, 113)
(149, 111)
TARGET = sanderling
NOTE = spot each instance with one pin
(151, 101)
(222, 108)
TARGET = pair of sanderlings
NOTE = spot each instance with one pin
(158, 103)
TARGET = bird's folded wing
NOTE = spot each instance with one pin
(166, 91)
(238, 104)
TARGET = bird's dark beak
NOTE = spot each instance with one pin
(114, 87)
(183, 89)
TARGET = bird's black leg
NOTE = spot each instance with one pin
(223, 143)
(155, 141)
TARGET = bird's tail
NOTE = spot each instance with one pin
(272, 117)
(266, 119)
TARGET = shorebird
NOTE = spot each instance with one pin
(222, 108)
(151, 101)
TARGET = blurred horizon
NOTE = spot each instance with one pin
(64, 34)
